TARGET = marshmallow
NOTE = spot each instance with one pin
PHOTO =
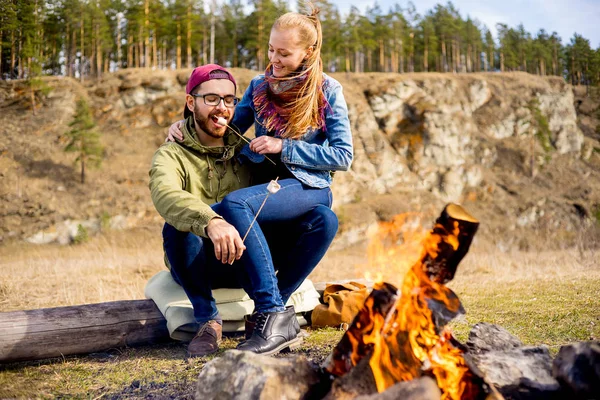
(222, 121)
(273, 187)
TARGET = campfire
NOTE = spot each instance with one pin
(401, 334)
(400, 347)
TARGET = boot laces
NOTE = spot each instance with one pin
(261, 319)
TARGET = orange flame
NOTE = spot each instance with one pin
(405, 343)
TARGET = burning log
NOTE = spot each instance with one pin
(399, 335)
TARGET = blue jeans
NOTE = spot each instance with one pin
(294, 260)
(291, 236)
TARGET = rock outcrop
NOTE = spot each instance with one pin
(506, 145)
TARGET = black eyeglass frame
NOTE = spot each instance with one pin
(221, 98)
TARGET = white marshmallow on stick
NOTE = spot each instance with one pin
(273, 187)
(222, 121)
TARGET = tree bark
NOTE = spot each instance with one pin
(119, 64)
(147, 33)
(82, 38)
(189, 35)
(178, 60)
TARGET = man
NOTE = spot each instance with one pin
(188, 179)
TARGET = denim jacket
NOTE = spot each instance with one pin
(317, 153)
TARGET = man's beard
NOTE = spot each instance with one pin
(205, 124)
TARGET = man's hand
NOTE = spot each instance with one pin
(175, 133)
(226, 240)
(266, 145)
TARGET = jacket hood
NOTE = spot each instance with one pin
(226, 152)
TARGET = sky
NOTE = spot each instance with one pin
(566, 17)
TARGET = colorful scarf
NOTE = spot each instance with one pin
(273, 100)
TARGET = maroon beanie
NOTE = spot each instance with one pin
(202, 74)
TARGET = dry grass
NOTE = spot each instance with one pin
(111, 267)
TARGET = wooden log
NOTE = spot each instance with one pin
(396, 334)
(61, 331)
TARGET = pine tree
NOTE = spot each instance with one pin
(84, 140)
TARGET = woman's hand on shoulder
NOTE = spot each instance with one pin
(266, 145)
(175, 133)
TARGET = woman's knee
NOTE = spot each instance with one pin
(327, 218)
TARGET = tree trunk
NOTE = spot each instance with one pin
(426, 57)
(444, 56)
(555, 60)
(164, 60)
(82, 56)
(212, 33)
(13, 53)
(204, 45)
(178, 60)
(188, 35)
(411, 58)
(573, 81)
(401, 57)
(98, 52)
(67, 49)
(259, 42)
(147, 34)
(501, 61)
(154, 49)
(381, 56)
(347, 58)
(129, 51)
(119, 65)
(469, 60)
(140, 62)
(369, 60)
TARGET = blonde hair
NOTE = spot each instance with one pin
(306, 108)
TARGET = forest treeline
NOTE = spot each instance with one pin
(87, 38)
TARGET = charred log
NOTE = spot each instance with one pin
(405, 340)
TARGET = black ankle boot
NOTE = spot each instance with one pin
(273, 332)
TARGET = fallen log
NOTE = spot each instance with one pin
(61, 331)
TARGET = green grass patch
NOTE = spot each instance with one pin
(552, 312)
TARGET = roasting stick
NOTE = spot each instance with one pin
(223, 122)
(272, 188)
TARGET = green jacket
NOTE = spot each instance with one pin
(186, 178)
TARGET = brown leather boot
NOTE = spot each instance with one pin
(207, 340)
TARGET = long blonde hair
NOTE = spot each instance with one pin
(307, 108)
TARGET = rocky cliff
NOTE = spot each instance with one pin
(508, 146)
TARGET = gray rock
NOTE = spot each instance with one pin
(243, 375)
(485, 337)
(424, 388)
(577, 368)
(517, 371)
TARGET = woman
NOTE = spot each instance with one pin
(302, 127)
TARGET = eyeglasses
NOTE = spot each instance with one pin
(211, 99)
